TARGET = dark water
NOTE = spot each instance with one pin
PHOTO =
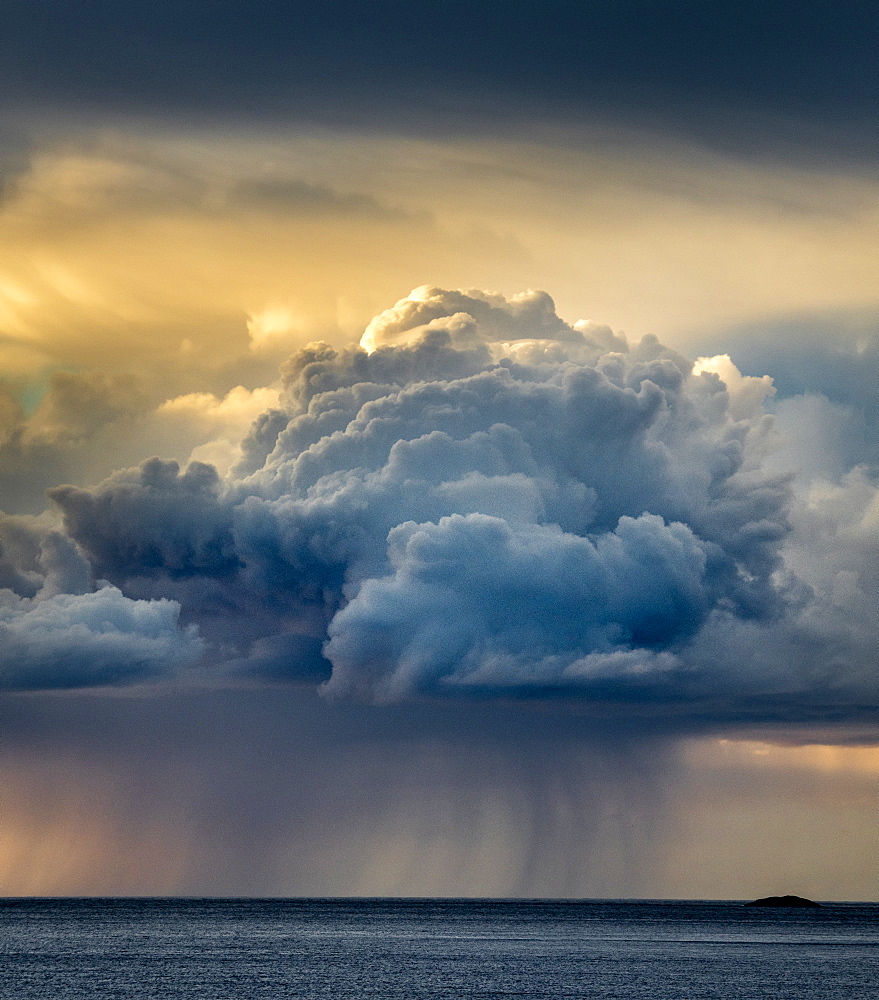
(464, 949)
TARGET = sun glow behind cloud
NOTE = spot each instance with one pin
(167, 239)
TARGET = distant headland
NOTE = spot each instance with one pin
(783, 901)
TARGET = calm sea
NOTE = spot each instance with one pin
(233, 949)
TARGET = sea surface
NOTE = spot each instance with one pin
(397, 949)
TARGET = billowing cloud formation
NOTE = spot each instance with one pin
(475, 600)
(485, 500)
(58, 630)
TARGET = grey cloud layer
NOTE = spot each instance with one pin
(491, 501)
(741, 76)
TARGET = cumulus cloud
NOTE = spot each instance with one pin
(470, 317)
(152, 520)
(70, 641)
(482, 499)
(476, 601)
(59, 629)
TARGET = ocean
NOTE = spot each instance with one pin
(407, 949)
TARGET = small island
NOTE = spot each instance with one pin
(783, 901)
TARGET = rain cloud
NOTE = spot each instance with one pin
(482, 500)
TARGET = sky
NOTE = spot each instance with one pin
(438, 449)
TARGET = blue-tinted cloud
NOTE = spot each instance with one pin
(475, 601)
(824, 369)
(100, 638)
(58, 630)
(155, 519)
(493, 502)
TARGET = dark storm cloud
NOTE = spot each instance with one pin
(778, 74)
(153, 519)
(493, 502)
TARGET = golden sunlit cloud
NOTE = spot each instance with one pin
(223, 421)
